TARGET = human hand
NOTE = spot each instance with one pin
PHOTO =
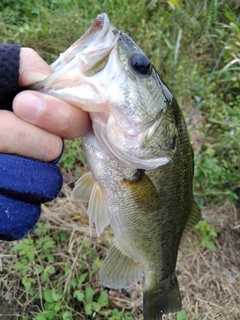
(39, 121)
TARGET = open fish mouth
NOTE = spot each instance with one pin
(96, 44)
(84, 58)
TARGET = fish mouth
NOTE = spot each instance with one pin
(83, 59)
(96, 44)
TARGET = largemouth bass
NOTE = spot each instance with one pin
(140, 161)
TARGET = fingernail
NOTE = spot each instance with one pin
(27, 105)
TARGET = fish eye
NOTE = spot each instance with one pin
(140, 63)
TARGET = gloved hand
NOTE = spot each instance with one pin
(24, 184)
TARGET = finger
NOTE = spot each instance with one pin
(27, 140)
(32, 67)
(51, 114)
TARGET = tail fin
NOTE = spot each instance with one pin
(162, 300)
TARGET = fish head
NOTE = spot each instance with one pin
(107, 74)
(142, 124)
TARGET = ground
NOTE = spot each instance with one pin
(208, 279)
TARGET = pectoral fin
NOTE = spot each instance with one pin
(119, 270)
(88, 190)
(83, 188)
(98, 210)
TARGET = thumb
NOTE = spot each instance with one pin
(32, 67)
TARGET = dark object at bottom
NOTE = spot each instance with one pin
(24, 184)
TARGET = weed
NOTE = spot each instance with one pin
(182, 315)
(56, 287)
(73, 156)
(217, 163)
(206, 233)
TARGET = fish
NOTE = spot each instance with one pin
(140, 159)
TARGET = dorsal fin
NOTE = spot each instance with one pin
(193, 219)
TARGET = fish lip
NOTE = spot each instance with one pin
(99, 22)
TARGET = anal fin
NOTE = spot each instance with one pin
(119, 270)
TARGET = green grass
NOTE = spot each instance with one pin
(184, 42)
(64, 289)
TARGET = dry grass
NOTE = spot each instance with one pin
(209, 280)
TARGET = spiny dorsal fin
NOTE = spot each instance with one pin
(119, 270)
(88, 190)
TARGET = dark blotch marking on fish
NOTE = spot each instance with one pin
(137, 176)
(172, 143)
